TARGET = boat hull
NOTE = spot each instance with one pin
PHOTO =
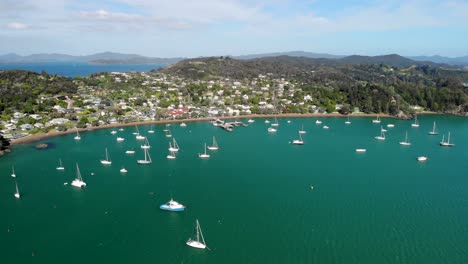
(196, 244)
(78, 183)
(170, 208)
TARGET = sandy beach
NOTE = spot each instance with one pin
(42, 136)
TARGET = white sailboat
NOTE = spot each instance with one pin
(275, 124)
(347, 122)
(106, 161)
(78, 182)
(298, 141)
(415, 124)
(113, 132)
(361, 150)
(422, 158)
(183, 125)
(267, 121)
(406, 142)
(174, 146)
(204, 155)
(250, 121)
(123, 170)
(138, 136)
(434, 130)
(168, 133)
(318, 122)
(376, 121)
(147, 159)
(77, 137)
(390, 125)
(60, 167)
(121, 129)
(199, 241)
(130, 152)
(17, 194)
(13, 174)
(302, 131)
(146, 145)
(382, 135)
(120, 139)
(214, 146)
(151, 131)
(271, 130)
(171, 155)
(446, 143)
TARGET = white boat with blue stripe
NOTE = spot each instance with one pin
(172, 206)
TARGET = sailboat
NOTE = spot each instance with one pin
(204, 155)
(376, 121)
(147, 159)
(382, 135)
(271, 130)
(168, 133)
(13, 174)
(275, 124)
(347, 122)
(106, 161)
(214, 146)
(250, 121)
(172, 206)
(415, 124)
(78, 182)
(318, 122)
(113, 132)
(298, 141)
(77, 137)
(406, 142)
(146, 145)
(199, 241)
(130, 152)
(138, 136)
(171, 154)
(434, 130)
(267, 121)
(183, 125)
(123, 170)
(17, 194)
(174, 146)
(446, 143)
(120, 139)
(302, 131)
(151, 131)
(60, 167)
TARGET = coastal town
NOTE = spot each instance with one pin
(120, 98)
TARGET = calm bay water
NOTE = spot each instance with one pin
(252, 197)
(73, 69)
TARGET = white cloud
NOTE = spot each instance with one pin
(17, 26)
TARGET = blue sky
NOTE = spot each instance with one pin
(170, 28)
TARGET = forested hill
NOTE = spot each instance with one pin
(285, 66)
(20, 89)
(369, 83)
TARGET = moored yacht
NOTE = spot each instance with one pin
(172, 206)
(78, 182)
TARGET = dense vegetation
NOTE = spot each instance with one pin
(21, 90)
(4, 143)
(350, 81)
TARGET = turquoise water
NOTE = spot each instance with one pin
(73, 69)
(252, 197)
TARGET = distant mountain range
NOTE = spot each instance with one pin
(98, 58)
(119, 58)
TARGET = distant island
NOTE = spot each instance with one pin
(121, 58)
(203, 88)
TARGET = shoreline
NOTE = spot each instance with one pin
(42, 136)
